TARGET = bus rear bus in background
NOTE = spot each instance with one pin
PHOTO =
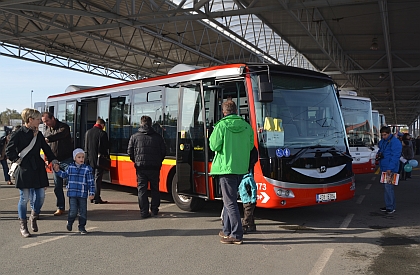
(357, 113)
(299, 130)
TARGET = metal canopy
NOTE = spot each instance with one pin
(370, 46)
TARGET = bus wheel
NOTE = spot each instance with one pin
(185, 203)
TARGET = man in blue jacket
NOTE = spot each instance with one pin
(389, 161)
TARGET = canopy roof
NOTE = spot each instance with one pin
(370, 46)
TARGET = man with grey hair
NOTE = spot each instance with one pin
(232, 140)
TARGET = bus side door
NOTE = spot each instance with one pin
(192, 143)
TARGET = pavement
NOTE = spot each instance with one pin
(350, 237)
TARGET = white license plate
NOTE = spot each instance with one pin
(326, 197)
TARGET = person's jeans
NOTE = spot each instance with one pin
(143, 177)
(389, 196)
(78, 206)
(5, 169)
(58, 185)
(24, 198)
(232, 225)
(39, 199)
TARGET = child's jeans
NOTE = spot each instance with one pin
(78, 205)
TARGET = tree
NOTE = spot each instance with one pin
(7, 115)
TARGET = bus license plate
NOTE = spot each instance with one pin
(326, 197)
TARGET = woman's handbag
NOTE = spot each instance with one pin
(103, 162)
(22, 154)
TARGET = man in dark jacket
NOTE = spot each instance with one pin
(96, 141)
(58, 136)
(147, 150)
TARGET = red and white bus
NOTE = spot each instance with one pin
(299, 131)
(357, 113)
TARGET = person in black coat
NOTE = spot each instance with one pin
(96, 141)
(58, 136)
(147, 150)
(31, 171)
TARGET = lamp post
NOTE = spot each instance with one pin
(31, 98)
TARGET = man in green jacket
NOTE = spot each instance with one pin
(232, 140)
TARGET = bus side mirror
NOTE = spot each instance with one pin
(265, 89)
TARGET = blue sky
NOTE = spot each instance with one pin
(19, 77)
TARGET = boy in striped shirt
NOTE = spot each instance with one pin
(80, 185)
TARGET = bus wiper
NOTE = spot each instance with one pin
(330, 149)
(344, 154)
(303, 150)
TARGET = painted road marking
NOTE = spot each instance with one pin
(368, 186)
(360, 199)
(13, 198)
(346, 221)
(53, 239)
(322, 261)
(374, 178)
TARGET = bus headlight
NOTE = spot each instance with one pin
(284, 193)
(353, 184)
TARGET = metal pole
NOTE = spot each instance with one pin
(31, 98)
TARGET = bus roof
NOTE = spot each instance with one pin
(355, 97)
(182, 74)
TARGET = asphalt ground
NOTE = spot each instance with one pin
(351, 237)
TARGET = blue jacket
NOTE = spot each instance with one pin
(391, 150)
(80, 180)
(248, 182)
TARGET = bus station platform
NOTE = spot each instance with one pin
(350, 237)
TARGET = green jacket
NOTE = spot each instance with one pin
(232, 140)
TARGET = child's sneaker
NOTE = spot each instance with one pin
(83, 231)
(69, 226)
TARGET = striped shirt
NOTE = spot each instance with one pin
(80, 180)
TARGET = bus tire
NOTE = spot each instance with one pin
(183, 202)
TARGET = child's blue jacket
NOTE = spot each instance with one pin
(248, 182)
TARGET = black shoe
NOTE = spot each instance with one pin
(92, 201)
(383, 209)
(146, 216)
(101, 202)
(69, 226)
(252, 228)
(390, 211)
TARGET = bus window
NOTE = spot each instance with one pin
(235, 90)
(170, 120)
(61, 111)
(148, 103)
(120, 129)
(70, 114)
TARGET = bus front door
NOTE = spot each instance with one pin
(191, 153)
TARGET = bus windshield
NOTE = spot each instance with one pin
(357, 114)
(304, 113)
